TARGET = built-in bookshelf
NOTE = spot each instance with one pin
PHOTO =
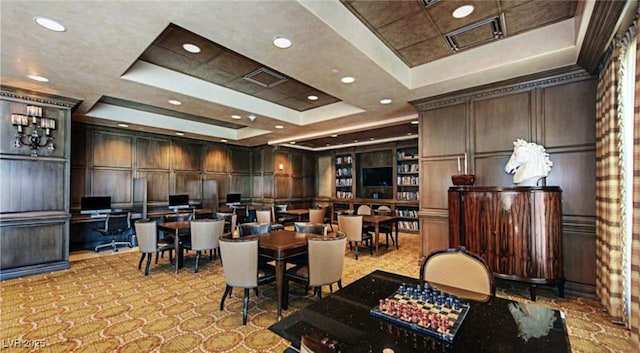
(408, 174)
(344, 176)
(409, 222)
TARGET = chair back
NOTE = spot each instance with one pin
(147, 235)
(363, 210)
(228, 217)
(316, 215)
(205, 233)
(458, 268)
(117, 223)
(240, 261)
(263, 216)
(254, 228)
(177, 217)
(308, 227)
(326, 259)
(384, 210)
(351, 226)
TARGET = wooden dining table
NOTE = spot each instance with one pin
(178, 229)
(280, 246)
(299, 213)
(376, 221)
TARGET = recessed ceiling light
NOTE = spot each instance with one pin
(328, 144)
(292, 142)
(123, 125)
(372, 138)
(356, 140)
(180, 133)
(312, 98)
(236, 116)
(281, 42)
(174, 102)
(463, 11)
(334, 135)
(279, 127)
(49, 24)
(38, 78)
(347, 79)
(409, 133)
(191, 48)
(385, 101)
(415, 122)
(223, 140)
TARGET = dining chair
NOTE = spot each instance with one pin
(230, 221)
(205, 235)
(316, 215)
(254, 228)
(459, 268)
(267, 216)
(310, 227)
(116, 225)
(148, 243)
(240, 267)
(383, 228)
(352, 227)
(325, 264)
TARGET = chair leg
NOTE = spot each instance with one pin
(197, 260)
(146, 269)
(142, 259)
(245, 306)
(227, 291)
(356, 251)
(156, 258)
(340, 283)
(350, 246)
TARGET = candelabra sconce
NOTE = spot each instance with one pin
(36, 140)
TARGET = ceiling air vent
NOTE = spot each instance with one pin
(475, 34)
(265, 77)
(427, 3)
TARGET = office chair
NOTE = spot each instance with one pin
(116, 224)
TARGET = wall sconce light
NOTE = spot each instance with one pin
(281, 166)
(34, 139)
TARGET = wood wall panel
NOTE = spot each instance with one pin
(309, 165)
(153, 153)
(308, 187)
(258, 186)
(268, 160)
(32, 185)
(240, 160)
(268, 182)
(437, 235)
(110, 150)
(443, 131)
(215, 158)
(563, 112)
(186, 156)
(579, 253)
(575, 173)
(188, 183)
(157, 185)
(114, 183)
(435, 179)
(297, 187)
(79, 155)
(32, 245)
(78, 186)
(282, 187)
(221, 181)
(490, 171)
(501, 120)
(241, 184)
(283, 158)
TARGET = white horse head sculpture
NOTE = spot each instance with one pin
(529, 161)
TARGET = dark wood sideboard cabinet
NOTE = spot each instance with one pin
(516, 230)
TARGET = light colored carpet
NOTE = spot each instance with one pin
(105, 304)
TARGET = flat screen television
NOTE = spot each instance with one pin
(233, 199)
(95, 204)
(178, 201)
(379, 176)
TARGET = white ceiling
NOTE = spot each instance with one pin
(97, 57)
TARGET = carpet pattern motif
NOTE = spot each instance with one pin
(106, 304)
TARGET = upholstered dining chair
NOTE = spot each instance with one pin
(148, 243)
(326, 260)
(205, 235)
(116, 225)
(386, 229)
(230, 219)
(458, 268)
(310, 227)
(254, 228)
(267, 216)
(352, 227)
(240, 259)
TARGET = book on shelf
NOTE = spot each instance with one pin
(407, 195)
(408, 180)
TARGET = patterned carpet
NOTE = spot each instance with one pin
(106, 304)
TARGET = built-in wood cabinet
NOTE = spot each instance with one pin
(516, 230)
(34, 202)
(344, 176)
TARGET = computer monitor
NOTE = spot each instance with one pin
(233, 199)
(178, 201)
(95, 204)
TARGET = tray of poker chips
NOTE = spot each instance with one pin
(426, 310)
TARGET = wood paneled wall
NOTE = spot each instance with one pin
(555, 109)
(34, 202)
